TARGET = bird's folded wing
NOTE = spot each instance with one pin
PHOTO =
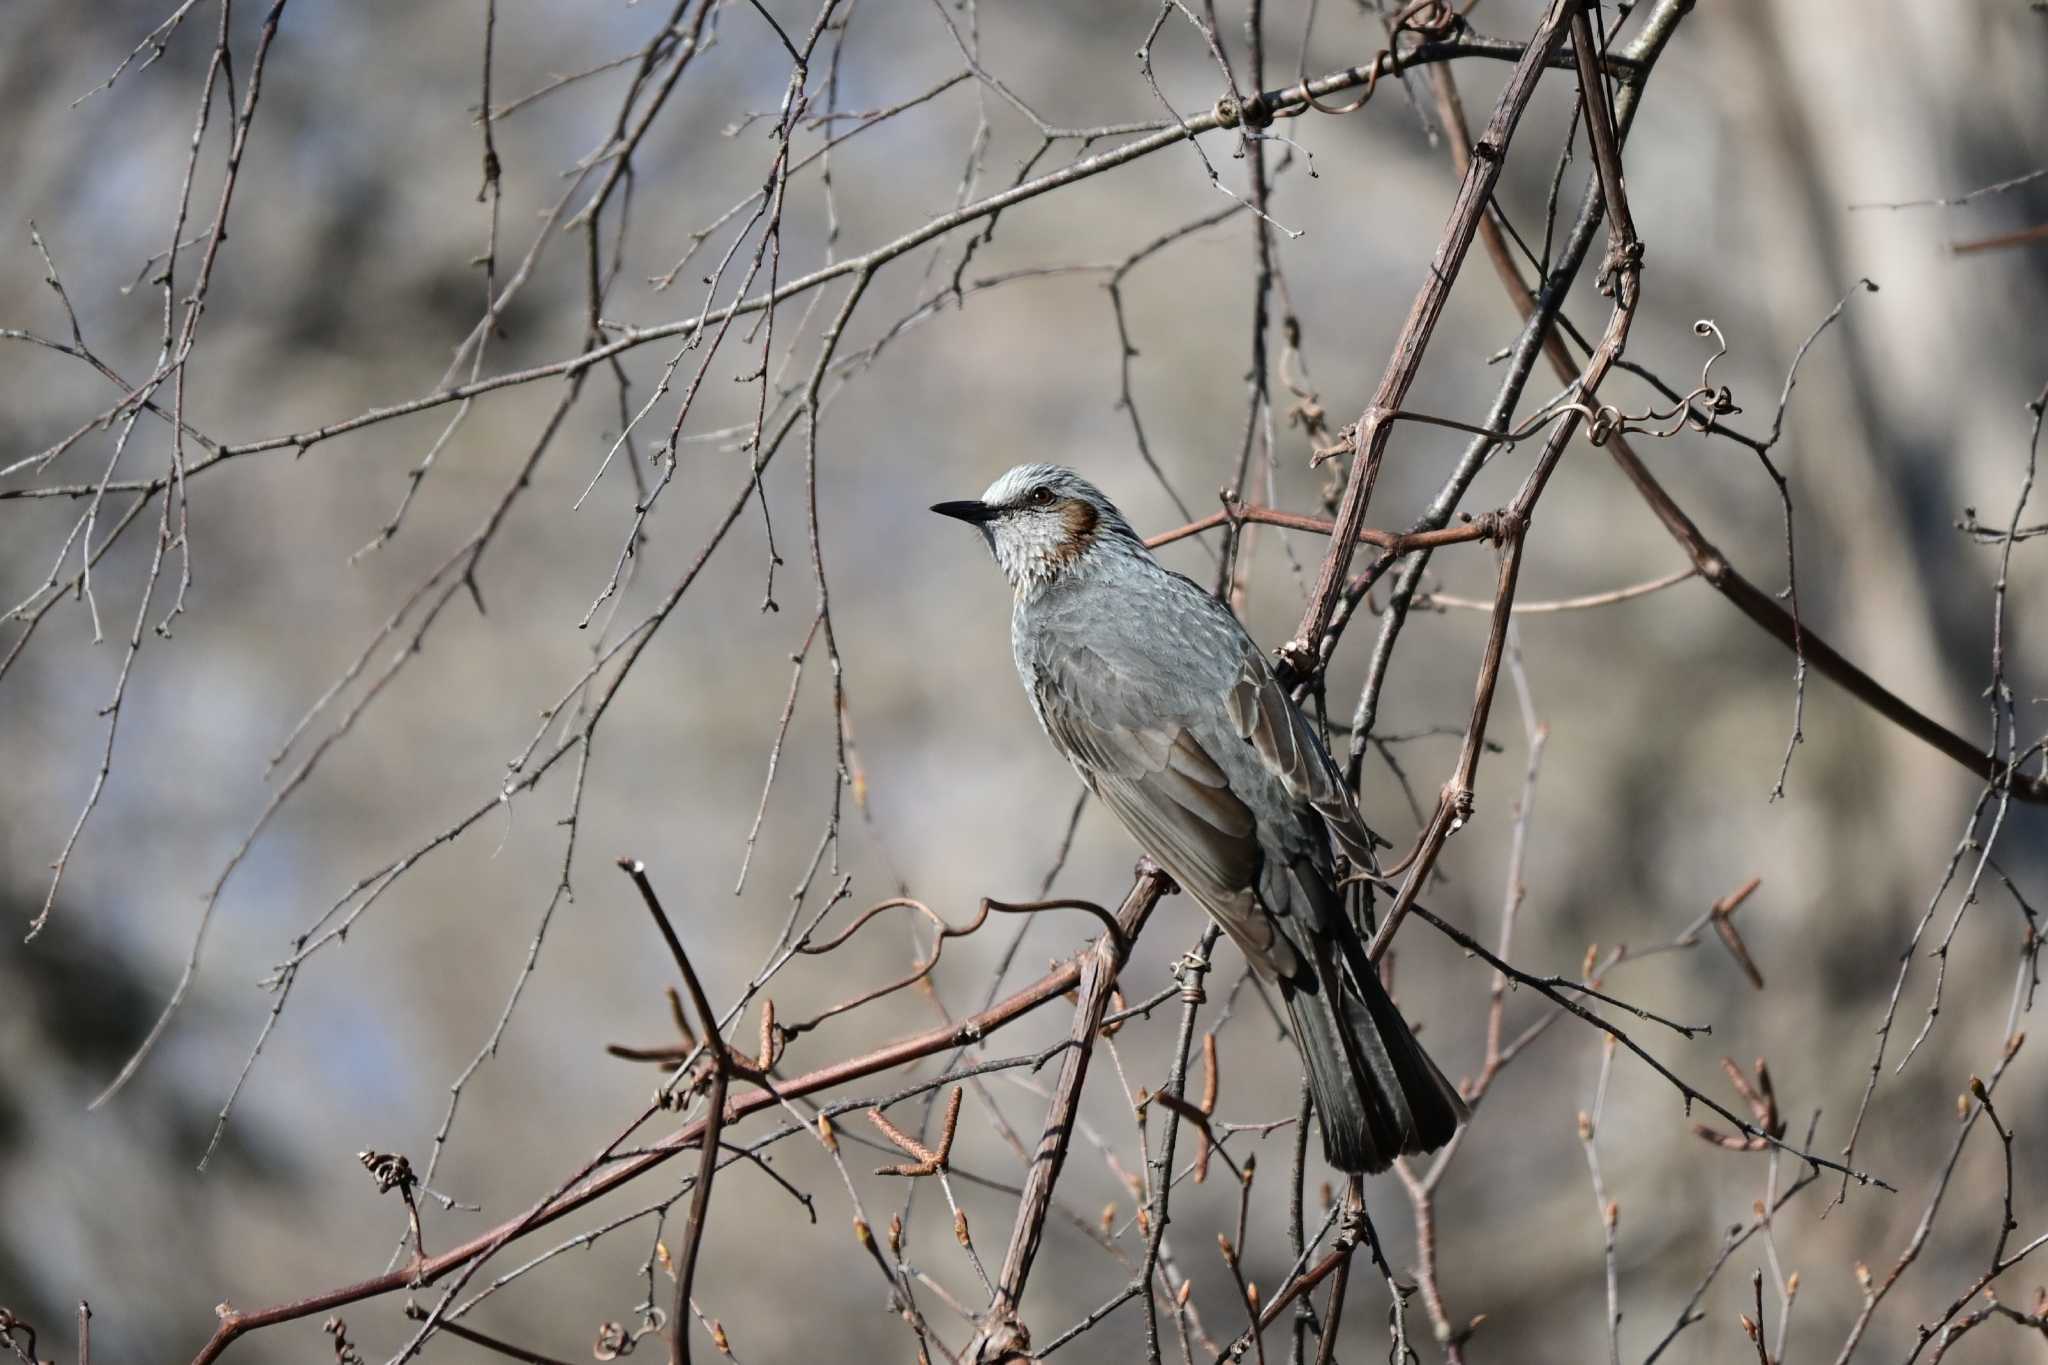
(1284, 741)
(1173, 797)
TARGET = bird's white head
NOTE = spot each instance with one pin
(1043, 521)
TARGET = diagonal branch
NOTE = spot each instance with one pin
(1278, 103)
(1621, 273)
(714, 1112)
(234, 1323)
(1482, 171)
(1713, 566)
(1002, 1335)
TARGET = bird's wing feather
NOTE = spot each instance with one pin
(1171, 793)
(1290, 750)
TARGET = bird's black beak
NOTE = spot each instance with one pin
(971, 511)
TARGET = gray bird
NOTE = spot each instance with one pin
(1167, 709)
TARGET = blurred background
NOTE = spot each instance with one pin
(349, 278)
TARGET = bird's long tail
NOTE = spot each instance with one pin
(1377, 1093)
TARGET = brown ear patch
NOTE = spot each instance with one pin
(1080, 521)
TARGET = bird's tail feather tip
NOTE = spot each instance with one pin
(1377, 1093)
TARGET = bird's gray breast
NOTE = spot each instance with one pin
(1145, 649)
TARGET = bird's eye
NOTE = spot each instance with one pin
(1041, 497)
